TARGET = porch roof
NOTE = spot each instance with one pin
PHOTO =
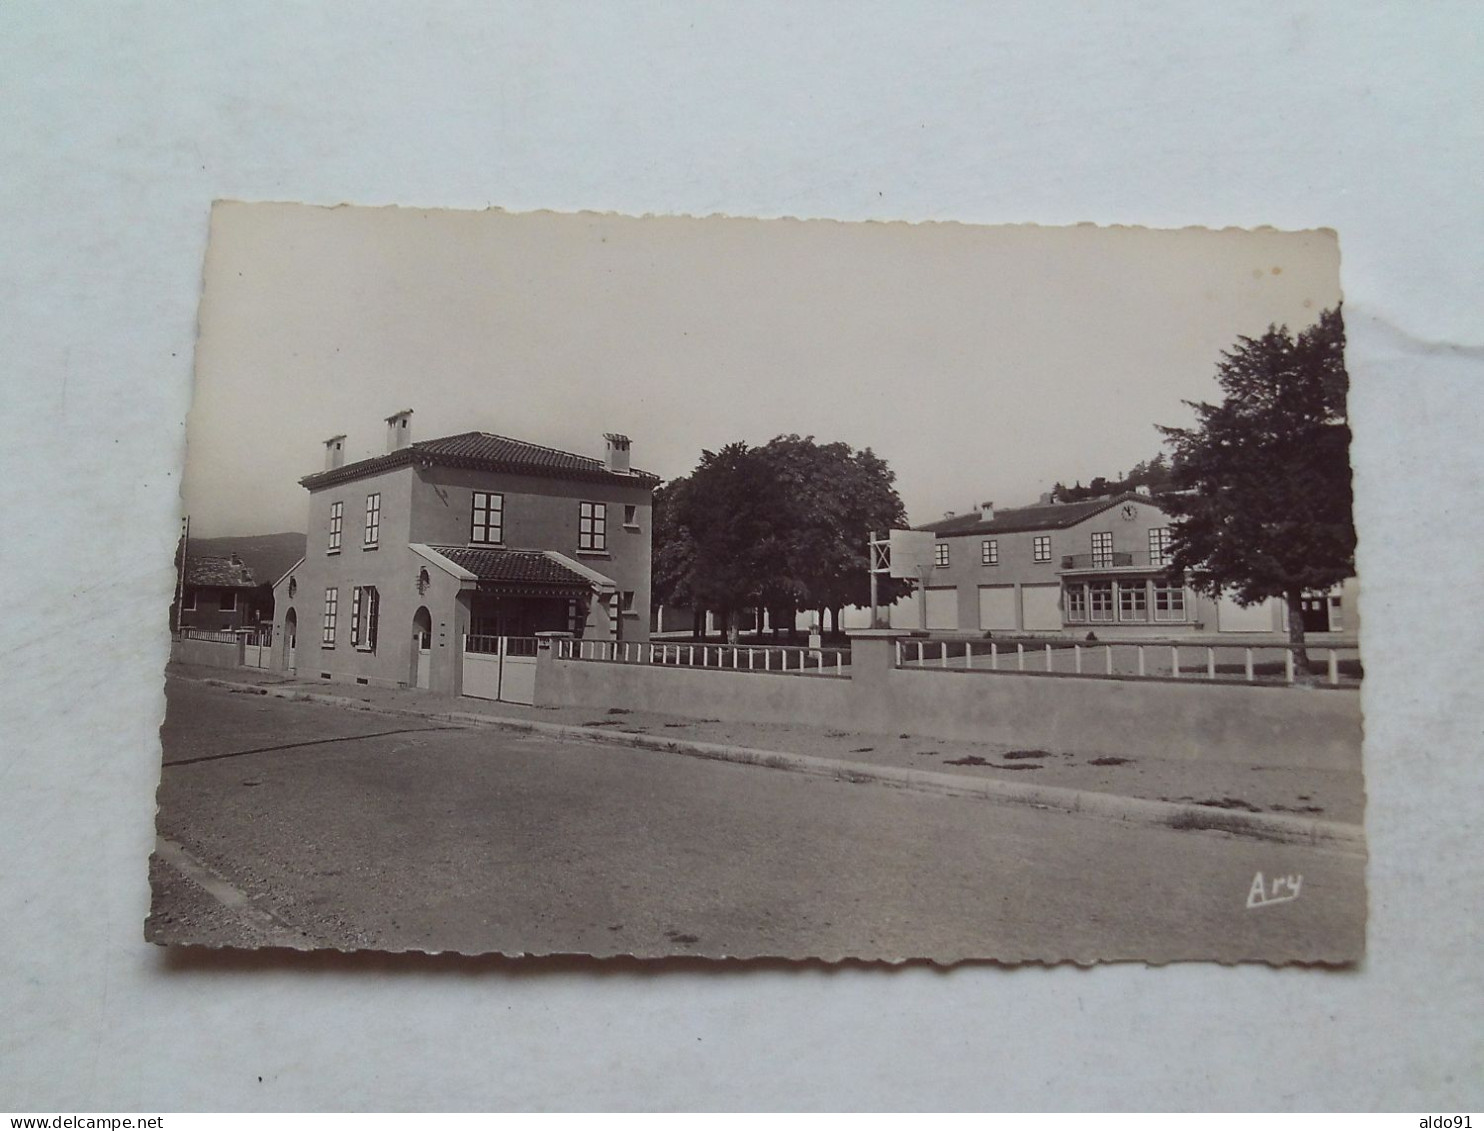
(524, 569)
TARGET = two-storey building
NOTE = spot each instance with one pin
(473, 535)
(1097, 566)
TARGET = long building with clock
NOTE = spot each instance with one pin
(1096, 566)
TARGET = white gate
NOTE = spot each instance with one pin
(500, 667)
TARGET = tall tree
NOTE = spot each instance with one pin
(781, 527)
(674, 550)
(721, 546)
(834, 497)
(1264, 502)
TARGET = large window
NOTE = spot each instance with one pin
(337, 517)
(1133, 601)
(1159, 546)
(1102, 549)
(989, 552)
(1169, 601)
(364, 607)
(592, 527)
(373, 520)
(1041, 548)
(940, 554)
(332, 608)
(1076, 602)
(229, 600)
(1100, 600)
(487, 525)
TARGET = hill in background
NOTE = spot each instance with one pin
(269, 556)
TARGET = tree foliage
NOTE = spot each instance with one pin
(1264, 505)
(783, 526)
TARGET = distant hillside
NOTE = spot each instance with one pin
(1154, 476)
(269, 556)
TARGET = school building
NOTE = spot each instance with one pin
(1097, 566)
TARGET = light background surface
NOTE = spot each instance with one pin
(122, 124)
(980, 362)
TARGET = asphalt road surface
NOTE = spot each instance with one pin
(301, 824)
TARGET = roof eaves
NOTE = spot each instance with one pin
(599, 581)
(447, 565)
(1005, 523)
(288, 571)
(428, 453)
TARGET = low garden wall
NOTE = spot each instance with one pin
(208, 653)
(1253, 725)
(732, 696)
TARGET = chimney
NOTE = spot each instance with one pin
(986, 512)
(398, 430)
(616, 454)
(334, 452)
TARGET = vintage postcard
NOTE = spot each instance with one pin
(589, 584)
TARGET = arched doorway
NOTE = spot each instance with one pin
(422, 648)
(290, 633)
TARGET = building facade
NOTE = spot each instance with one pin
(1099, 566)
(412, 553)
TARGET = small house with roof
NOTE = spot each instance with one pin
(462, 546)
(215, 593)
(1099, 565)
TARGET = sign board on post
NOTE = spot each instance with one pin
(911, 553)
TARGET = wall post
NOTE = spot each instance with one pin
(546, 655)
(873, 659)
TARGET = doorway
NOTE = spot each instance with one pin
(422, 649)
(290, 635)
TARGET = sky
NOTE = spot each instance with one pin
(982, 363)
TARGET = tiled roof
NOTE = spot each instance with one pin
(1011, 520)
(484, 452)
(517, 567)
(222, 572)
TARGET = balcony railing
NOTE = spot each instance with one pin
(1115, 559)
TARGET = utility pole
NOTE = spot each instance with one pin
(180, 574)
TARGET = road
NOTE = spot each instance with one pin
(295, 823)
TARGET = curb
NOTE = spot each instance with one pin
(1109, 806)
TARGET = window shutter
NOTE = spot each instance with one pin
(373, 600)
(355, 616)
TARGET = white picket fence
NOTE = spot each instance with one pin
(256, 643)
(719, 657)
(1138, 659)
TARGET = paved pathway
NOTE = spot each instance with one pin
(1329, 796)
(301, 823)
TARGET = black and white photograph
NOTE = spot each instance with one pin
(585, 584)
(741, 557)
